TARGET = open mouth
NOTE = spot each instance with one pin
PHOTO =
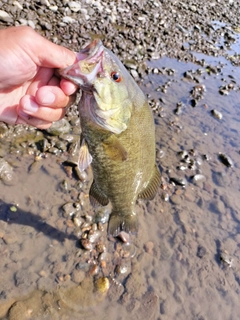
(88, 66)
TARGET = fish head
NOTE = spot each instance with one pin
(100, 73)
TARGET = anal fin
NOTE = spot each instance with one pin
(118, 223)
(96, 196)
(151, 189)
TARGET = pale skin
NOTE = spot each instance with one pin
(30, 92)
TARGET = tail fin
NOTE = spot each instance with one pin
(119, 222)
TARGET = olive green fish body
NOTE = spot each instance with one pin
(118, 135)
(121, 177)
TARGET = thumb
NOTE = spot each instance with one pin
(48, 54)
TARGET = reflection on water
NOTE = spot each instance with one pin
(187, 233)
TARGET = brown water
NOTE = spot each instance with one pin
(177, 271)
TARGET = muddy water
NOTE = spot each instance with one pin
(186, 261)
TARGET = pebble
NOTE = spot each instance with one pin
(225, 258)
(6, 172)
(87, 244)
(102, 215)
(74, 6)
(160, 154)
(43, 273)
(198, 178)
(45, 2)
(4, 16)
(165, 196)
(23, 22)
(53, 8)
(226, 160)
(17, 4)
(125, 237)
(68, 19)
(123, 268)
(216, 114)
(93, 235)
(60, 127)
(102, 285)
(179, 181)
(68, 209)
(134, 73)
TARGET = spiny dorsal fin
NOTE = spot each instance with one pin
(151, 189)
(84, 156)
(96, 196)
(114, 149)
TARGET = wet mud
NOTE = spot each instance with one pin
(57, 261)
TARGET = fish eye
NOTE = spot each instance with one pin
(116, 76)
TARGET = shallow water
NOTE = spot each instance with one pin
(177, 271)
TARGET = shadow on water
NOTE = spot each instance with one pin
(22, 217)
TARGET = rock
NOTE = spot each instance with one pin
(134, 73)
(53, 8)
(4, 16)
(216, 114)
(23, 22)
(68, 20)
(17, 4)
(102, 285)
(60, 127)
(31, 24)
(74, 6)
(6, 172)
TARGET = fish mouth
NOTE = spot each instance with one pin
(88, 65)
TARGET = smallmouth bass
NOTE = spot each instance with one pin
(118, 135)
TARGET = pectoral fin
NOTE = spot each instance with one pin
(84, 156)
(114, 149)
(96, 196)
(151, 189)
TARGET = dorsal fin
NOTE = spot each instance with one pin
(151, 189)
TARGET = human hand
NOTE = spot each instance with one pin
(30, 92)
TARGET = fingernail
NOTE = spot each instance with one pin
(30, 106)
(48, 98)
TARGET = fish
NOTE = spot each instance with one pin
(118, 135)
